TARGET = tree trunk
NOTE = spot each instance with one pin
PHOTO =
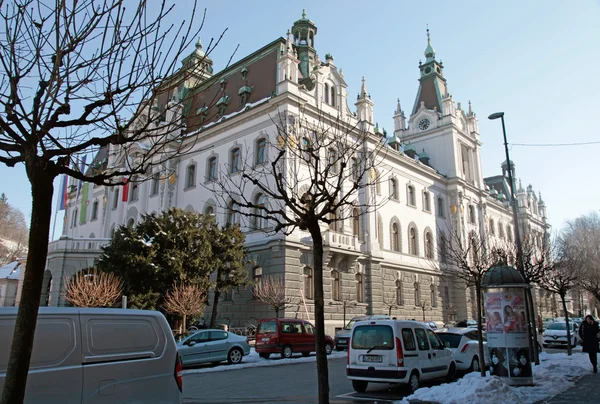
(213, 316)
(564, 304)
(390, 311)
(184, 321)
(480, 330)
(322, 371)
(276, 312)
(23, 337)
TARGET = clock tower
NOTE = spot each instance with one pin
(432, 84)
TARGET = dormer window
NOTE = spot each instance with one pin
(222, 104)
(202, 113)
(244, 93)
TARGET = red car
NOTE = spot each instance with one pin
(285, 336)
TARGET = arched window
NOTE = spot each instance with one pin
(412, 241)
(335, 285)
(509, 234)
(190, 176)
(135, 185)
(380, 230)
(235, 160)
(411, 195)
(446, 296)
(492, 227)
(308, 282)
(471, 214)
(500, 230)
(259, 220)
(154, 185)
(426, 201)
(261, 151)
(74, 218)
(257, 273)
(211, 172)
(332, 89)
(433, 296)
(393, 189)
(115, 201)
(417, 293)
(209, 211)
(395, 237)
(233, 217)
(130, 223)
(326, 94)
(356, 222)
(443, 246)
(428, 245)
(399, 294)
(360, 288)
(355, 168)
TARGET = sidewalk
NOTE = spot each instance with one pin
(586, 390)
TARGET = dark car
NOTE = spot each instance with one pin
(343, 336)
(285, 336)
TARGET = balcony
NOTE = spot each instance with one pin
(343, 241)
(65, 244)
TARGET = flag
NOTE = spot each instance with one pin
(62, 203)
(81, 170)
(125, 190)
(84, 202)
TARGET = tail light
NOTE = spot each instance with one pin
(464, 348)
(399, 353)
(179, 373)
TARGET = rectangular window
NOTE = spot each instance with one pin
(408, 339)
(434, 341)
(440, 207)
(261, 146)
(95, 210)
(155, 184)
(235, 160)
(212, 169)
(190, 178)
(370, 336)
(115, 198)
(422, 339)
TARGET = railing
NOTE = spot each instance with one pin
(340, 240)
(77, 244)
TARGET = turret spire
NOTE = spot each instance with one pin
(398, 107)
(429, 51)
(363, 89)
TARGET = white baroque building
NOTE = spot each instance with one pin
(433, 178)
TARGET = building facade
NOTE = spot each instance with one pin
(385, 262)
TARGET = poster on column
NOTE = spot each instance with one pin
(506, 328)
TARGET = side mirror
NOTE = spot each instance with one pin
(191, 343)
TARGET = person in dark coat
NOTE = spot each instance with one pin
(523, 367)
(498, 368)
(588, 332)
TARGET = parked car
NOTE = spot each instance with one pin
(212, 346)
(464, 345)
(396, 351)
(285, 336)
(546, 322)
(343, 336)
(97, 356)
(556, 334)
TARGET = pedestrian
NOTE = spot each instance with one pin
(588, 332)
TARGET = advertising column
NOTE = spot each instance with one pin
(506, 325)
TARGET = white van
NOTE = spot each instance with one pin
(396, 351)
(98, 356)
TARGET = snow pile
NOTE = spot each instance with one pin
(555, 374)
(253, 360)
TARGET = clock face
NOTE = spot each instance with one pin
(424, 124)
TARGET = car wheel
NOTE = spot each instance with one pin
(475, 365)
(451, 373)
(328, 349)
(306, 354)
(286, 352)
(413, 382)
(264, 355)
(360, 386)
(235, 356)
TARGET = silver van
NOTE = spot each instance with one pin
(343, 336)
(396, 351)
(98, 356)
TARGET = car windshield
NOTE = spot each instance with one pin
(267, 327)
(373, 336)
(557, 326)
(450, 340)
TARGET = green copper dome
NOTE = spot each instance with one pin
(429, 51)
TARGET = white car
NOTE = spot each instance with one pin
(465, 346)
(396, 352)
(556, 334)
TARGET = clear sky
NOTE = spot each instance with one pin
(535, 60)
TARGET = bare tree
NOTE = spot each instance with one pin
(467, 259)
(424, 306)
(390, 301)
(318, 172)
(79, 77)
(563, 276)
(92, 289)
(185, 300)
(271, 290)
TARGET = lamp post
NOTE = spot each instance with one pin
(521, 268)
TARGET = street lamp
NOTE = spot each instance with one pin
(513, 199)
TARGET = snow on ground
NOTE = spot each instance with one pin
(555, 374)
(253, 360)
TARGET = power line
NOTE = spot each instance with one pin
(553, 144)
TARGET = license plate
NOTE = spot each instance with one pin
(372, 358)
(265, 339)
